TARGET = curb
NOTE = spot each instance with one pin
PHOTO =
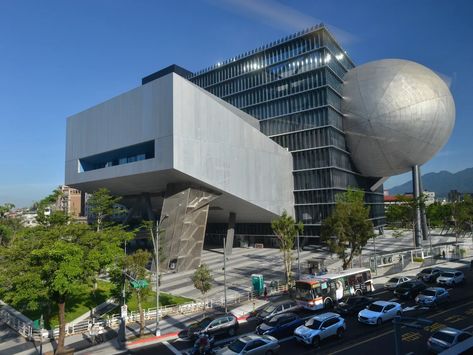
(168, 336)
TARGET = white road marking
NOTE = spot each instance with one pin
(172, 348)
(469, 327)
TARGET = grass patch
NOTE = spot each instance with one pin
(165, 299)
(76, 305)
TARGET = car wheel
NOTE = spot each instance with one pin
(358, 293)
(315, 342)
(379, 321)
(340, 332)
(231, 331)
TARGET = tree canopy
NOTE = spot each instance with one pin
(102, 206)
(348, 229)
(286, 229)
(202, 279)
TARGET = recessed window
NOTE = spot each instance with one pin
(125, 155)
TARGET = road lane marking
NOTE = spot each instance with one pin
(455, 318)
(434, 327)
(410, 336)
(172, 348)
(392, 331)
(469, 327)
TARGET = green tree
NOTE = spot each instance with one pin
(5, 208)
(45, 214)
(202, 279)
(103, 205)
(439, 214)
(135, 268)
(286, 229)
(347, 230)
(51, 263)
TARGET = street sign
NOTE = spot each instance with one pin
(139, 284)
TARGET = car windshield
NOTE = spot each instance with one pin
(447, 337)
(375, 307)
(406, 285)
(269, 308)
(447, 274)
(313, 323)
(204, 322)
(428, 293)
(273, 321)
(393, 279)
(352, 301)
(237, 346)
(426, 271)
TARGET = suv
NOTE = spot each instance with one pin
(353, 304)
(409, 289)
(217, 324)
(451, 278)
(271, 309)
(430, 274)
(393, 282)
(320, 327)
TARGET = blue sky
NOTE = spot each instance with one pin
(60, 57)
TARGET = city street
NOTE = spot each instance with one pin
(363, 339)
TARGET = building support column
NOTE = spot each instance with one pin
(423, 216)
(417, 218)
(183, 221)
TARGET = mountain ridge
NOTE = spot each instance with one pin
(441, 183)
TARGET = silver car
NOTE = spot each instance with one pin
(394, 281)
(251, 345)
(446, 338)
(451, 278)
(432, 296)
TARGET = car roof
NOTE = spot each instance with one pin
(384, 303)
(249, 337)
(283, 315)
(324, 316)
(450, 331)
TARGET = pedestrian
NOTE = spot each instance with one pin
(265, 293)
(443, 254)
(471, 264)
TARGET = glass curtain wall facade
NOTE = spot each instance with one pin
(293, 86)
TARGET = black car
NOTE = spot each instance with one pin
(409, 289)
(213, 325)
(353, 304)
(271, 309)
(280, 326)
(429, 274)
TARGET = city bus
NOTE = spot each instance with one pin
(317, 292)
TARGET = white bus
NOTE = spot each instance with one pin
(317, 292)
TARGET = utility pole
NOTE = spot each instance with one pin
(225, 272)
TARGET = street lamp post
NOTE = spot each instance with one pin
(156, 261)
(225, 272)
(298, 258)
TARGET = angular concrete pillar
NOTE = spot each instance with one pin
(230, 234)
(182, 224)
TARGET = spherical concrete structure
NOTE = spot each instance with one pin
(397, 114)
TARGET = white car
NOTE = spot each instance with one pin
(451, 278)
(251, 345)
(379, 312)
(320, 327)
(393, 282)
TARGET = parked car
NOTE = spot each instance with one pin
(379, 312)
(451, 278)
(320, 327)
(280, 325)
(394, 281)
(271, 309)
(446, 338)
(353, 304)
(429, 274)
(432, 296)
(214, 325)
(251, 345)
(409, 289)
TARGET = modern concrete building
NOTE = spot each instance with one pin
(223, 151)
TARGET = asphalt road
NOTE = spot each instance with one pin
(365, 339)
